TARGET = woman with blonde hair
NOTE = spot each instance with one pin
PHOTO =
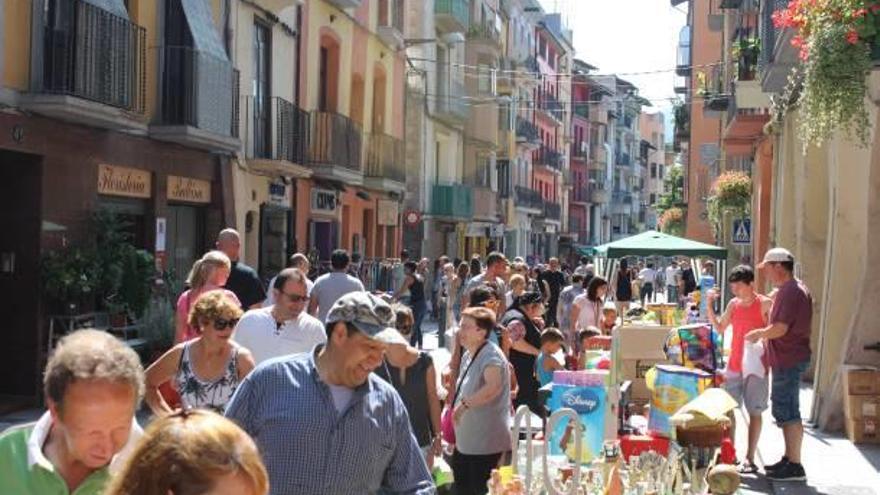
(193, 453)
(517, 287)
(206, 370)
(207, 274)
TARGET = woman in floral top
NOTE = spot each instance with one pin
(207, 369)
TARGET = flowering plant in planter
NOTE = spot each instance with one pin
(836, 39)
(672, 221)
(731, 192)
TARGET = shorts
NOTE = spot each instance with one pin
(785, 394)
(751, 391)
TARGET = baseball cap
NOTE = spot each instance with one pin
(777, 255)
(369, 314)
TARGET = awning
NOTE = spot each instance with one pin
(115, 7)
(585, 251)
(206, 38)
(657, 243)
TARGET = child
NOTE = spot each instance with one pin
(583, 336)
(609, 318)
(551, 343)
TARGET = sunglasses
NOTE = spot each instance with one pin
(221, 324)
(295, 298)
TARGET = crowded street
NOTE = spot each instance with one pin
(466, 247)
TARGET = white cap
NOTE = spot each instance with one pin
(777, 255)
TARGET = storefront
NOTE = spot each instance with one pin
(324, 222)
(55, 176)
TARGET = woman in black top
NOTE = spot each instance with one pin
(415, 284)
(623, 288)
(412, 374)
(526, 345)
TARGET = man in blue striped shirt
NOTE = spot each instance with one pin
(324, 424)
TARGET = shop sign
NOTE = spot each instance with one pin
(124, 181)
(189, 189)
(278, 194)
(324, 200)
(388, 212)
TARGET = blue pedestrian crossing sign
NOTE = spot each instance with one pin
(742, 231)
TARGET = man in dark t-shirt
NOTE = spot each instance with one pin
(243, 280)
(787, 343)
(554, 280)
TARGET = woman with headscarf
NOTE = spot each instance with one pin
(524, 324)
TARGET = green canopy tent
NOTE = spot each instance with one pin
(653, 243)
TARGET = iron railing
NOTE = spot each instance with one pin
(549, 158)
(278, 129)
(526, 130)
(767, 31)
(451, 101)
(199, 90)
(455, 9)
(385, 157)
(597, 180)
(527, 198)
(484, 31)
(93, 54)
(552, 210)
(548, 103)
(335, 140)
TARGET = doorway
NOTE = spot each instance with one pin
(20, 222)
(185, 239)
(276, 225)
(323, 236)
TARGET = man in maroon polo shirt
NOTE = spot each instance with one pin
(788, 355)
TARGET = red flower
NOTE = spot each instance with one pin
(852, 37)
(860, 13)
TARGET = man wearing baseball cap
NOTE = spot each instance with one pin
(788, 355)
(324, 424)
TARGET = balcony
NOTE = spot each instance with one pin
(582, 110)
(200, 101)
(385, 164)
(623, 159)
(485, 203)
(550, 158)
(450, 105)
(528, 199)
(580, 150)
(683, 55)
(452, 201)
(451, 16)
(485, 33)
(335, 146)
(94, 69)
(390, 26)
(622, 197)
(777, 55)
(346, 4)
(598, 154)
(598, 187)
(527, 132)
(551, 107)
(747, 113)
(552, 211)
(275, 130)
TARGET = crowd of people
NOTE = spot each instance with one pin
(320, 386)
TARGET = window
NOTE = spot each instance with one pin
(653, 199)
(653, 170)
(660, 175)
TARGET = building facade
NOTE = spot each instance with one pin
(653, 131)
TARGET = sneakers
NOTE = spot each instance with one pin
(788, 472)
(774, 467)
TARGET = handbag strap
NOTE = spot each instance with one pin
(463, 375)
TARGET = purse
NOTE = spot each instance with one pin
(447, 424)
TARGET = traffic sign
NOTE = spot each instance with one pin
(742, 231)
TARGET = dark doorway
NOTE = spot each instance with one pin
(276, 225)
(185, 239)
(20, 222)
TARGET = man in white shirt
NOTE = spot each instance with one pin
(300, 261)
(331, 286)
(283, 328)
(496, 266)
(646, 277)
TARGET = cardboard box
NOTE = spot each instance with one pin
(641, 342)
(863, 431)
(861, 381)
(862, 407)
(634, 370)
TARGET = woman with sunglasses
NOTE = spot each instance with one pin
(207, 369)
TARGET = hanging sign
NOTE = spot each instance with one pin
(188, 189)
(323, 200)
(124, 181)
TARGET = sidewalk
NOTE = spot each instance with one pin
(833, 464)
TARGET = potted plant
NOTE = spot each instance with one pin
(745, 53)
(69, 277)
(731, 193)
(837, 40)
(672, 221)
